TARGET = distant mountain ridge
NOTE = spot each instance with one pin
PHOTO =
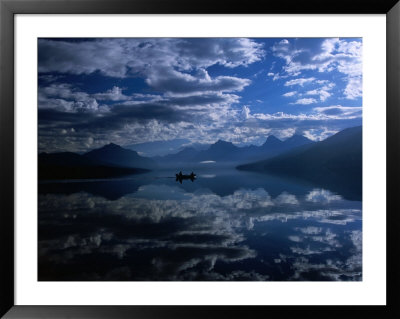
(160, 148)
(272, 141)
(335, 160)
(108, 161)
(117, 155)
(157, 148)
(226, 152)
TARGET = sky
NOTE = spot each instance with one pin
(185, 91)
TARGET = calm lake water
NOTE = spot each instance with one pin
(226, 225)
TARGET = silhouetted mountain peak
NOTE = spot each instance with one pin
(344, 135)
(298, 137)
(116, 149)
(117, 155)
(297, 140)
(221, 142)
(272, 140)
(347, 131)
(111, 146)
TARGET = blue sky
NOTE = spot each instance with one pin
(128, 91)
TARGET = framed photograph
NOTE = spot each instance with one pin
(167, 159)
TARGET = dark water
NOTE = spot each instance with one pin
(226, 225)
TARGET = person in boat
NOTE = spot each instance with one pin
(181, 176)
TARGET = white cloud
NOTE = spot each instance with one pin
(114, 94)
(291, 93)
(178, 83)
(286, 198)
(296, 239)
(353, 88)
(323, 95)
(300, 81)
(284, 50)
(306, 251)
(64, 97)
(246, 112)
(322, 92)
(318, 134)
(285, 133)
(335, 54)
(210, 228)
(322, 196)
(310, 230)
(276, 76)
(305, 101)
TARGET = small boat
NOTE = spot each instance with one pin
(180, 177)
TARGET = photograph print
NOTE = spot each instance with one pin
(200, 159)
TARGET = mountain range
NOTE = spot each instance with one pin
(116, 155)
(226, 152)
(333, 162)
(113, 160)
(108, 161)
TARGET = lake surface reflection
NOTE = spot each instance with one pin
(227, 225)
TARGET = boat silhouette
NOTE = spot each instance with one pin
(180, 177)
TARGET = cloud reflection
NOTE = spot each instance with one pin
(163, 232)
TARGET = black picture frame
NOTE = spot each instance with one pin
(8, 8)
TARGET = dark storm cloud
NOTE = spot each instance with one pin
(119, 115)
(62, 106)
(124, 57)
(176, 68)
(54, 116)
(114, 120)
(168, 80)
(81, 57)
